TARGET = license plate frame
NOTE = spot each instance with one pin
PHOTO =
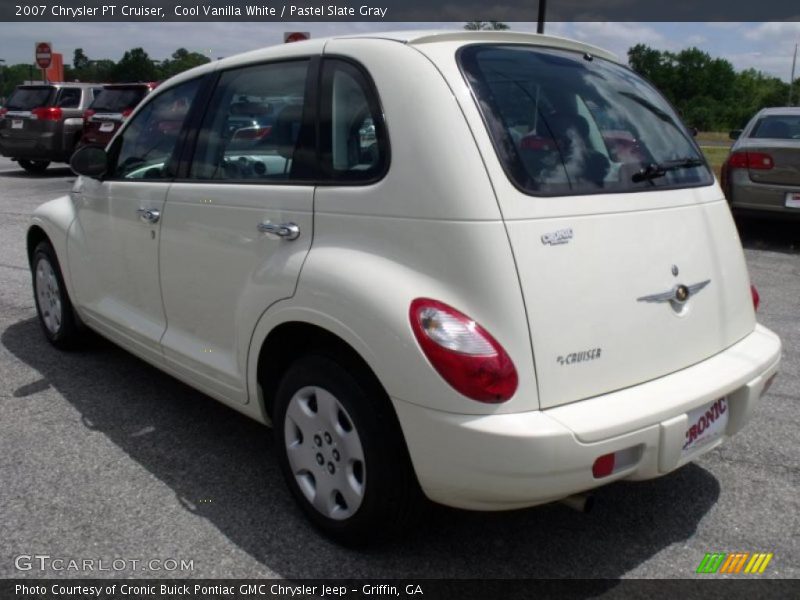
(705, 424)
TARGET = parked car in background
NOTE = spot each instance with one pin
(762, 172)
(420, 301)
(110, 108)
(43, 123)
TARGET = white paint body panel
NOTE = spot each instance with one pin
(198, 293)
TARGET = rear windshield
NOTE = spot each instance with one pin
(27, 98)
(118, 99)
(569, 123)
(778, 127)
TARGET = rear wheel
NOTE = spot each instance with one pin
(53, 305)
(34, 166)
(342, 453)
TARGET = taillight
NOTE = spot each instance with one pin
(50, 113)
(760, 161)
(462, 352)
(88, 114)
(127, 113)
(756, 297)
(3, 112)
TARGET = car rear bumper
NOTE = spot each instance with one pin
(751, 197)
(497, 462)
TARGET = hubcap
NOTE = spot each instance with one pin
(325, 452)
(49, 296)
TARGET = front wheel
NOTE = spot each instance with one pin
(53, 305)
(37, 167)
(342, 453)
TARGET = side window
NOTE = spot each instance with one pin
(69, 98)
(146, 146)
(353, 135)
(252, 128)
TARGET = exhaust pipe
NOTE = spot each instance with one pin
(580, 502)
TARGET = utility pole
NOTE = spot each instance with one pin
(791, 79)
(542, 10)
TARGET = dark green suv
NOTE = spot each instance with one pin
(42, 123)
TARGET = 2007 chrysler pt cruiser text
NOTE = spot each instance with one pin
(490, 269)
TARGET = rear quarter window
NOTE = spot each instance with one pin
(564, 123)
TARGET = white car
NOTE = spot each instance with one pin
(527, 284)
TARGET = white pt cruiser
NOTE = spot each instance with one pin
(489, 269)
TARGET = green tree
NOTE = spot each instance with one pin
(80, 60)
(135, 65)
(182, 60)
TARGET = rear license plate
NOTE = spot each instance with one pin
(107, 126)
(16, 123)
(706, 423)
(793, 200)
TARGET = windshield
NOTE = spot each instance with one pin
(567, 123)
(27, 98)
(116, 100)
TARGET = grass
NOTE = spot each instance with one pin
(713, 136)
(715, 155)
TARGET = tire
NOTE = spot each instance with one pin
(56, 315)
(342, 453)
(36, 167)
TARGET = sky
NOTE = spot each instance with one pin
(767, 47)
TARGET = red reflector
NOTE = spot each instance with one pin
(756, 297)
(760, 161)
(52, 113)
(603, 466)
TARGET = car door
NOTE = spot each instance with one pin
(237, 228)
(113, 242)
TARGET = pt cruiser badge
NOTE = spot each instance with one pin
(678, 295)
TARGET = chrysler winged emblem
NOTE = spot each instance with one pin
(677, 295)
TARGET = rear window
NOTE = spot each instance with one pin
(569, 123)
(117, 100)
(778, 127)
(27, 98)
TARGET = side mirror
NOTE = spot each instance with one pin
(91, 161)
(734, 135)
(693, 131)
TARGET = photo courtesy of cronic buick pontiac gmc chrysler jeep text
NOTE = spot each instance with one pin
(489, 269)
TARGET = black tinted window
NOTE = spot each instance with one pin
(26, 98)
(69, 98)
(778, 127)
(117, 100)
(564, 123)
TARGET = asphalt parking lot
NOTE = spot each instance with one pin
(104, 457)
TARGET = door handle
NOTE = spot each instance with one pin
(149, 215)
(289, 231)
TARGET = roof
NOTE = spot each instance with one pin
(780, 110)
(412, 38)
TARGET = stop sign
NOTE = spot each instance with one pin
(44, 54)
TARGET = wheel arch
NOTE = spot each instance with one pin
(291, 339)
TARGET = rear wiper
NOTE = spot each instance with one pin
(654, 170)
